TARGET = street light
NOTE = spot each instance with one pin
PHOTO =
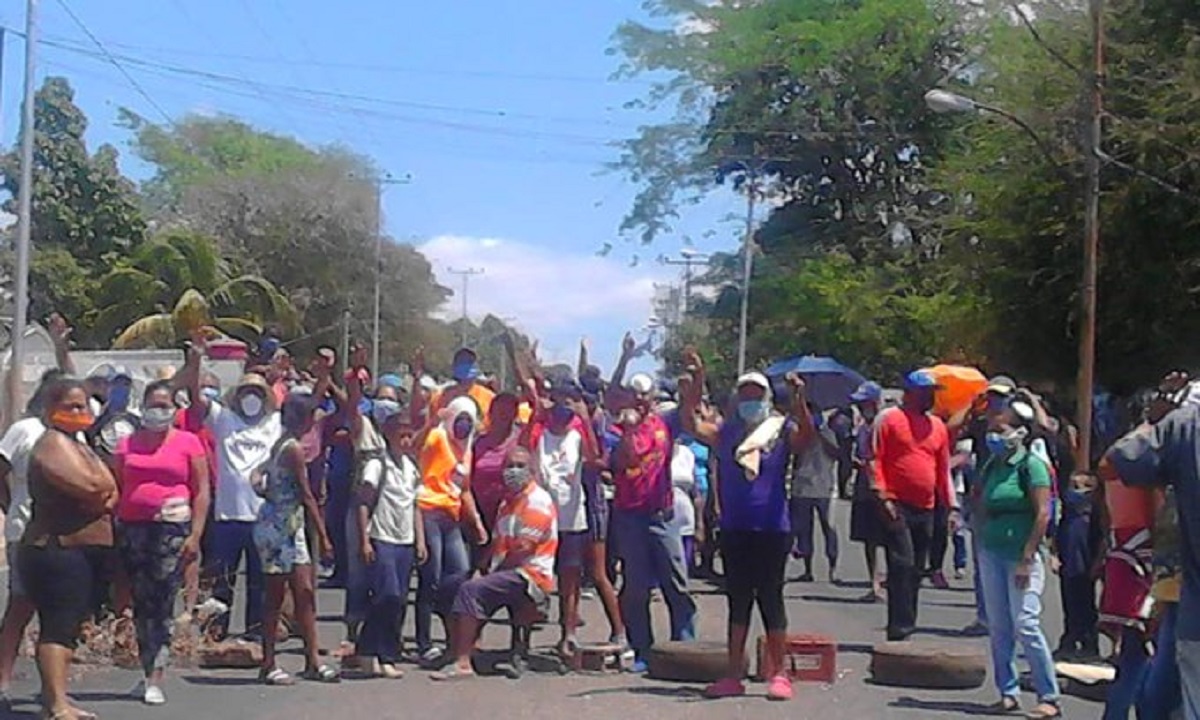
(942, 101)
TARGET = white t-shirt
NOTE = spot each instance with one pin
(392, 520)
(560, 459)
(241, 449)
(684, 521)
(16, 447)
(683, 467)
(815, 474)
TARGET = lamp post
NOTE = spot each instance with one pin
(942, 101)
(376, 335)
(687, 258)
(16, 369)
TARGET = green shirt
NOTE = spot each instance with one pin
(1008, 503)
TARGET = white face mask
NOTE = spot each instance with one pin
(515, 478)
(251, 405)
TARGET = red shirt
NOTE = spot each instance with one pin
(193, 422)
(912, 458)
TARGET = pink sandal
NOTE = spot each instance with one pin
(780, 688)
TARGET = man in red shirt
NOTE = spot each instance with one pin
(912, 474)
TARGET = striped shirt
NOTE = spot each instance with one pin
(527, 536)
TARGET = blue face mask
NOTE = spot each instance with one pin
(561, 414)
(364, 406)
(465, 371)
(211, 393)
(753, 412)
(384, 409)
(996, 444)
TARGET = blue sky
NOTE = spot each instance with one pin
(501, 111)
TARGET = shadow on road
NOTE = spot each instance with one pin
(250, 679)
(945, 706)
(682, 693)
(840, 600)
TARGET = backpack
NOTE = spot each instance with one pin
(1025, 478)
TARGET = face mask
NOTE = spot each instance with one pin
(118, 397)
(71, 422)
(1004, 443)
(561, 414)
(463, 428)
(753, 412)
(465, 371)
(384, 409)
(251, 405)
(515, 478)
(158, 419)
(210, 393)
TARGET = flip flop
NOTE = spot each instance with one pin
(276, 677)
(322, 674)
(453, 674)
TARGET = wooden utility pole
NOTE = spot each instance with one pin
(1093, 147)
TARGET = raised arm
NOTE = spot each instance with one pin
(74, 470)
(60, 334)
(583, 358)
(189, 377)
(691, 390)
(628, 349)
(803, 430)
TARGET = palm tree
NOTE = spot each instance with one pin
(177, 285)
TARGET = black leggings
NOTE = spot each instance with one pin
(61, 582)
(754, 565)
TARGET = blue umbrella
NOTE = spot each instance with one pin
(829, 382)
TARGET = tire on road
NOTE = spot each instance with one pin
(697, 662)
(934, 667)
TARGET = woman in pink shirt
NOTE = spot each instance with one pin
(162, 474)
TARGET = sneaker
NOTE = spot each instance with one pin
(587, 594)
(431, 658)
(960, 573)
(780, 688)
(939, 580)
(154, 696)
(639, 666)
(725, 688)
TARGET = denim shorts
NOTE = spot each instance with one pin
(571, 548)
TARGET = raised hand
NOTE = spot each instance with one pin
(60, 331)
(628, 346)
(692, 361)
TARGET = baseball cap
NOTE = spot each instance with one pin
(755, 378)
(1002, 385)
(867, 392)
(641, 384)
(920, 380)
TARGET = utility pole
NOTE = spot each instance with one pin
(466, 284)
(3, 37)
(376, 337)
(688, 259)
(346, 339)
(16, 371)
(1094, 144)
(747, 263)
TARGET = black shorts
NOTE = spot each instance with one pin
(61, 583)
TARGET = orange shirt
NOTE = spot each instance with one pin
(527, 536)
(441, 484)
(912, 458)
(1129, 508)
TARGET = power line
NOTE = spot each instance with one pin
(96, 41)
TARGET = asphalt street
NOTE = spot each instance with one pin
(819, 607)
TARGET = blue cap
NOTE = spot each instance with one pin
(391, 380)
(920, 380)
(867, 392)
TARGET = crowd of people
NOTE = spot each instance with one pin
(577, 484)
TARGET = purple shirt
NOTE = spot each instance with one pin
(760, 505)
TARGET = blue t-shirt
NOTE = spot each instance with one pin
(1169, 454)
(761, 505)
(701, 452)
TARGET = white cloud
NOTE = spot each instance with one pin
(554, 295)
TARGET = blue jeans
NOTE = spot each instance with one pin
(337, 510)
(1187, 655)
(390, 575)
(447, 558)
(1150, 684)
(357, 582)
(231, 539)
(650, 550)
(1016, 616)
(981, 615)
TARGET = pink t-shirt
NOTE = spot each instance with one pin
(153, 474)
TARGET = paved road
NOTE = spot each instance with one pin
(816, 607)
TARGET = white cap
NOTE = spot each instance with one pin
(755, 378)
(641, 383)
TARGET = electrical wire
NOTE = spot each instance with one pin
(111, 59)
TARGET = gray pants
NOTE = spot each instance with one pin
(651, 550)
(803, 510)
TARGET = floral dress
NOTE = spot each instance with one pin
(279, 531)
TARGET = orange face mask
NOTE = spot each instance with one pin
(71, 422)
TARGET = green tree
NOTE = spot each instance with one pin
(85, 212)
(177, 284)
